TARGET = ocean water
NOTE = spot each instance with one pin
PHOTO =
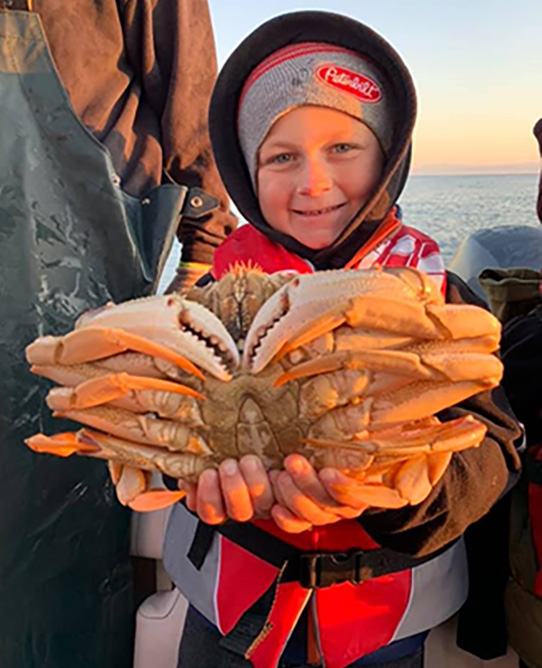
(449, 208)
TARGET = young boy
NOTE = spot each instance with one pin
(311, 123)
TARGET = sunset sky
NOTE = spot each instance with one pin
(477, 65)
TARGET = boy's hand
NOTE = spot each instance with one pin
(238, 491)
(297, 498)
(304, 500)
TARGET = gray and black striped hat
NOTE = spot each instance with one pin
(312, 73)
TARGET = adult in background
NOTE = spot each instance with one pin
(102, 131)
(516, 296)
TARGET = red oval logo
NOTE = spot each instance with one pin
(351, 82)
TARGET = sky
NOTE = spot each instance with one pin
(477, 66)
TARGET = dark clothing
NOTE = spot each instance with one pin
(200, 646)
(139, 75)
(522, 355)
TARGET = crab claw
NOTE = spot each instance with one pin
(399, 302)
(167, 327)
(313, 304)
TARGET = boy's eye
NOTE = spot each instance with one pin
(281, 158)
(342, 148)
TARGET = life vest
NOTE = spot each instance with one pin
(393, 245)
(253, 580)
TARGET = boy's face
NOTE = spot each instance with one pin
(316, 169)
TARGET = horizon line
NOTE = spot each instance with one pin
(449, 169)
(465, 172)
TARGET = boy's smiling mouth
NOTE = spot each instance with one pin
(318, 212)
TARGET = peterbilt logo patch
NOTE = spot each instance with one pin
(349, 82)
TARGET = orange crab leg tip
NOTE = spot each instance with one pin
(155, 499)
(146, 383)
(61, 445)
(311, 368)
(320, 327)
(146, 346)
(377, 496)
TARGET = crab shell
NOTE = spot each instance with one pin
(346, 367)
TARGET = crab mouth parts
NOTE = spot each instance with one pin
(318, 212)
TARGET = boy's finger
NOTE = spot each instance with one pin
(301, 505)
(273, 477)
(235, 491)
(349, 492)
(288, 522)
(191, 494)
(258, 483)
(307, 480)
(192, 499)
(209, 504)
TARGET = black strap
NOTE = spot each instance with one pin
(312, 570)
(201, 544)
(323, 569)
(251, 624)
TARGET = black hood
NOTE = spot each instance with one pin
(312, 26)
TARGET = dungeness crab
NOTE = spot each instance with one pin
(347, 368)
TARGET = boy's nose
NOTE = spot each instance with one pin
(315, 179)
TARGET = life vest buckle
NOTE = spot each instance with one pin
(317, 571)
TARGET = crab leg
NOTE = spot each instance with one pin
(412, 480)
(422, 399)
(437, 463)
(89, 443)
(177, 401)
(101, 390)
(374, 495)
(129, 482)
(404, 442)
(350, 460)
(144, 429)
(422, 365)
(132, 489)
(83, 345)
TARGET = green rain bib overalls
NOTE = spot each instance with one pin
(70, 240)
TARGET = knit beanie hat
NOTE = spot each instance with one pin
(312, 73)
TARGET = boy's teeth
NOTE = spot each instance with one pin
(317, 212)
